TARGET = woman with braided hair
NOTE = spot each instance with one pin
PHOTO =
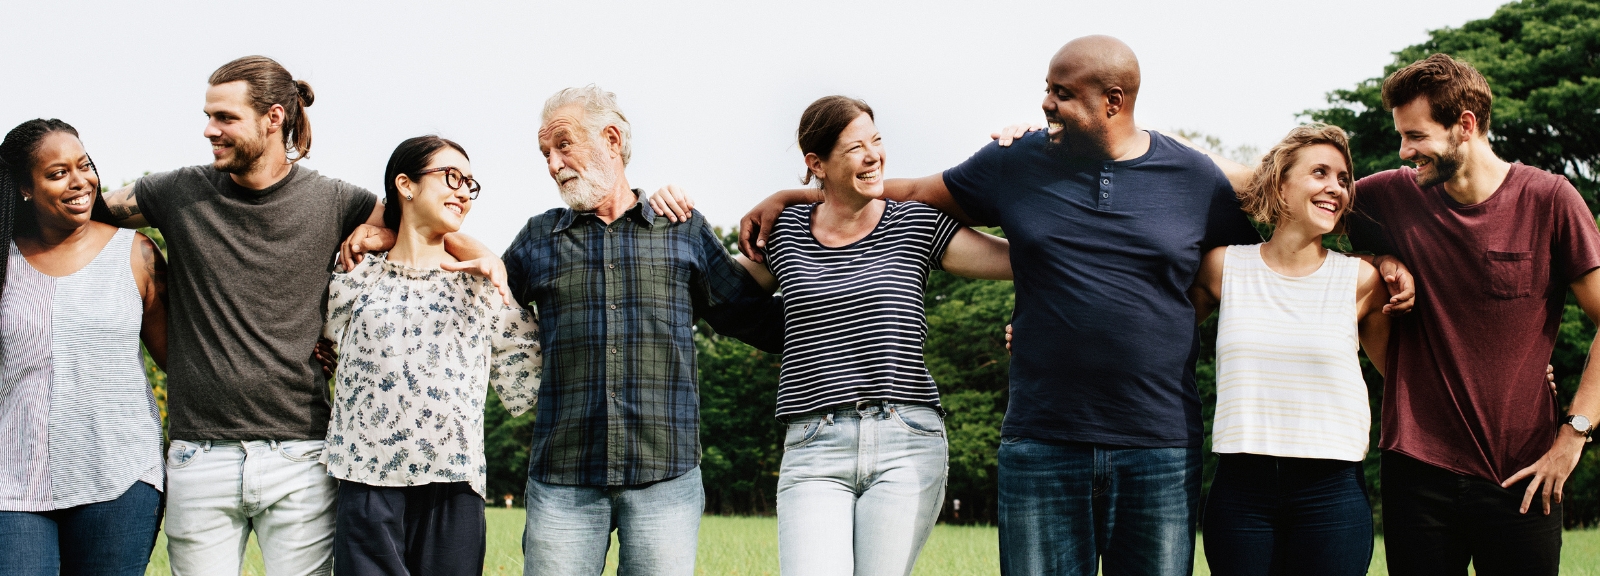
(80, 436)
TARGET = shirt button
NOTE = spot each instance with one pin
(613, 350)
(1106, 181)
(1105, 194)
(611, 266)
(613, 306)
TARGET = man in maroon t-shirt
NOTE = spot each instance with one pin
(1472, 437)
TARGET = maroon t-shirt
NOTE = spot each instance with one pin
(1466, 389)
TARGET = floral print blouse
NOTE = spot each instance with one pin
(417, 350)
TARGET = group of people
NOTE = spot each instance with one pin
(1120, 241)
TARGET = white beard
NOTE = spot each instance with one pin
(588, 189)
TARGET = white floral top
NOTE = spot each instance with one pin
(417, 349)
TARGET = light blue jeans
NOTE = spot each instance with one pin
(217, 492)
(569, 527)
(859, 489)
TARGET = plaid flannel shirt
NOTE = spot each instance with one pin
(617, 304)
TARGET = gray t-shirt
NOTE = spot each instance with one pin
(249, 276)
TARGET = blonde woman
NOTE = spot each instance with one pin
(1293, 418)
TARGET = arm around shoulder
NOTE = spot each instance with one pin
(123, 203)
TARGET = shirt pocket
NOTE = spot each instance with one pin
(670, 284)
(1510, 274)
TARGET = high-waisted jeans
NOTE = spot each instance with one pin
(859, 489)
(1270, 515)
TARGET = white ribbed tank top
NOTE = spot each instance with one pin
(1288, 379)
(78, 423)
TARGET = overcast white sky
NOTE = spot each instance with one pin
(713, 89)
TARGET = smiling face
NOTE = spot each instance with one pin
(1437, 151)
(1316, 189)
(64, 184)
(1074, 107)
(239, 136)
(583, 165)
(433, 207)
(856, 164)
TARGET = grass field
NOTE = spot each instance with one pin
(743, 546)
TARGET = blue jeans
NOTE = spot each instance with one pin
(569, 527)
(860, 489)
(1268, 515)
(104, 538)
(1078, 508)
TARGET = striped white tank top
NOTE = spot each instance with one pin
(1288, 380)
(78, 422)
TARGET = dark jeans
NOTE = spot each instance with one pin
(104, 538)
(432, 529)
(1268, 515)
(1073, 508)
(1435, 521)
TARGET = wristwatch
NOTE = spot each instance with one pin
(1580, 423)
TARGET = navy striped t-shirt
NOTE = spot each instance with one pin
(853, 318)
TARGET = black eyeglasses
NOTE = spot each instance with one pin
(454, 179)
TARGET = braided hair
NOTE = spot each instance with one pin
(16, 167)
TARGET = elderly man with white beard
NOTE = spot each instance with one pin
(618, 288)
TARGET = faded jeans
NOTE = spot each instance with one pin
(859, 489)
(569, 527)
(1079, 508)
(218, 491)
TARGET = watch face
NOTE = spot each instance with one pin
(1581, 423)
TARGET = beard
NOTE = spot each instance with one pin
(1078, 142)
(246, 153)
(585, 190)
(1445, 165)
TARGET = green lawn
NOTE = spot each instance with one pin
(740, 546)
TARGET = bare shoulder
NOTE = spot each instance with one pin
(1368, 280)
(146, 252)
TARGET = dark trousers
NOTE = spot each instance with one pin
(1435, 521)
(1268, 515)
(428, 530)
(112, 538)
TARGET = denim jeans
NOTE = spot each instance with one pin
(569, 527)
(859, 489)
(111, 538)
(1268, 515)
(218, 491)
(1436, 521)
(1075, 508)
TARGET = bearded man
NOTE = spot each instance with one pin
(616, 444)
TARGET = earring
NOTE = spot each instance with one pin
(27, 198)
(408, 196)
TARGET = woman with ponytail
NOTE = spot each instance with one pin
(80, 435)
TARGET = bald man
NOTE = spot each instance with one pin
(1100, 453)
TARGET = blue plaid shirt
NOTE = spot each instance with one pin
(617, 304)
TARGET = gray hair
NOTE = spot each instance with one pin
(599, 111)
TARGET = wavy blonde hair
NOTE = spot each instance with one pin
(1261, 198)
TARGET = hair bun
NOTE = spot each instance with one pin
(306, 95)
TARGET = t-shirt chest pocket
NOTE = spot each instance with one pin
(1510, 274)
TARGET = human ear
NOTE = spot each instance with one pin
(814, 165)
(1114, 99)
(613, 136)
(275, 116)
(402, 183)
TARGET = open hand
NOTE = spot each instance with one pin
(1011, 133)
(672, 202)
(325, 355)
(487, 267)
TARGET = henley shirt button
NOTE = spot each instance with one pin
(1106, 181)
(1105, 194)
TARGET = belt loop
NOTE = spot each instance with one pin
(273, 444)
(206, 445)
(829, 418)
